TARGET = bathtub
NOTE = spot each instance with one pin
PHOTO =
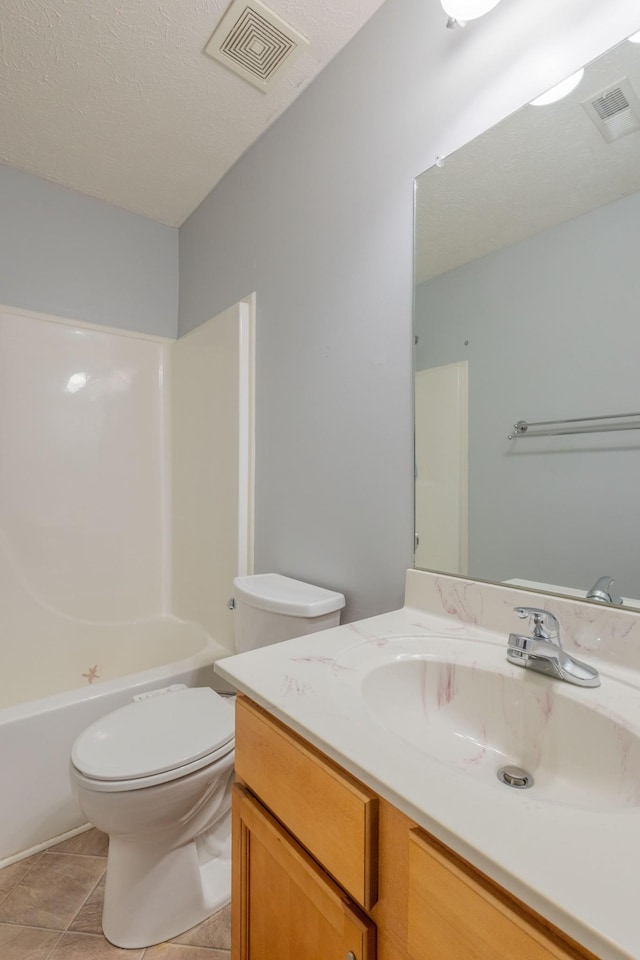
(47, 702)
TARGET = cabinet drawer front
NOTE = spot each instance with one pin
(454, 915)
(330, 813)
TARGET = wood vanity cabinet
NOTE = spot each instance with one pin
(324, 869)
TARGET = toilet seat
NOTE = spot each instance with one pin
(155, 740)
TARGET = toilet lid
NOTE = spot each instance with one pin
(151, 736)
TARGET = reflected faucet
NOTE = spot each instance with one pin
(602, 592)
(543, 651)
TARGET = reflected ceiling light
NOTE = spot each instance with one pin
(560, 90)
(76, 382)
(634, 38)
(463, 10)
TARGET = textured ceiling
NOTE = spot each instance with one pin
(117, 99)
(539, 167)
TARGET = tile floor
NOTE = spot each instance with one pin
(51, 905)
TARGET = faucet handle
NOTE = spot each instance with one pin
(542, 623)
(601, 591)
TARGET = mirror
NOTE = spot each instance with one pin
(527, 308)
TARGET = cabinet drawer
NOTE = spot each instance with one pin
(333, 816)
(455, 914)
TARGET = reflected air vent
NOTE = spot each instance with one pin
(615, 111)
(255, 42)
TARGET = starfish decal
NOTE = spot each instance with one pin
(92, 674)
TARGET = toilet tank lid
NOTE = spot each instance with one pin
(293, 598)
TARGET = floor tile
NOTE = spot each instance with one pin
(26, 943)
(11, 876)
(179, 951)
(84, 946)
(51, 905)
(91, 843)
(89, 917)
(53, 891)
(214, 932)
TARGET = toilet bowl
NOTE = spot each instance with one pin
(156, 776)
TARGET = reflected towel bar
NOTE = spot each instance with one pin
(590, 425)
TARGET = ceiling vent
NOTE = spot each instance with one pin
(255, 42)
(615, 110)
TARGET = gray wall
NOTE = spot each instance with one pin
(552, 331)
(317, 219)
(81, 259)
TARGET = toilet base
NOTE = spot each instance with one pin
(152, 897)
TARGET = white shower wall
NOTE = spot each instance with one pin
(81, 472)
(211, 469)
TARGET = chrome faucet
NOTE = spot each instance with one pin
(543, 652)
(601, 591)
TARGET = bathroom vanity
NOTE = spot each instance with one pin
(354, 840)
(323, 866)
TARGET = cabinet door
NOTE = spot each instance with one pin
(455, 914)
(284, 906)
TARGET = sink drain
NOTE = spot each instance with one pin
(515, 777)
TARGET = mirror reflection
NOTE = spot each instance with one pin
(527, 308)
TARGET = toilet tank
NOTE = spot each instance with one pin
(271, 608)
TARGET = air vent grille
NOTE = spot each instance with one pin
(615, 111)
(611, 103)
(255, 42)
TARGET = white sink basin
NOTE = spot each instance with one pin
(460, 703)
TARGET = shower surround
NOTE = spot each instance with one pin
(103, 534)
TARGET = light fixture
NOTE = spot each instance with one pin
(463, 10)
(560, 90)
(634, 38)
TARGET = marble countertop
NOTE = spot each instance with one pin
(577, 864)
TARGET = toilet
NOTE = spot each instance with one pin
(156, 776)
